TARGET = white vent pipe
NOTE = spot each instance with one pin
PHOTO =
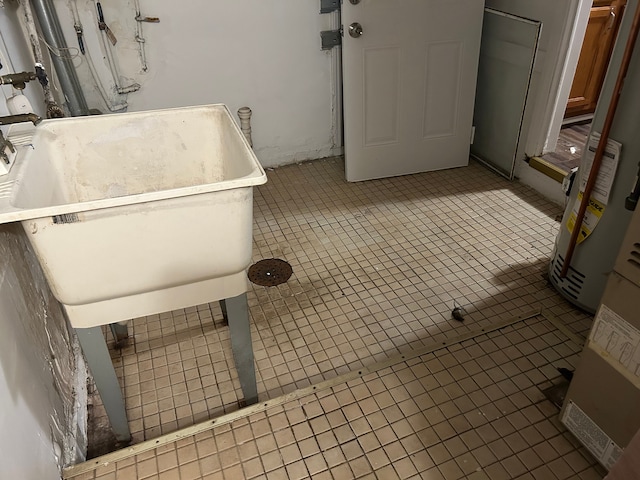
(244, 113)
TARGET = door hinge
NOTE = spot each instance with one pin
(328, 6)
(331, 38)
(473, 135)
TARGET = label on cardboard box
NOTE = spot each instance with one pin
(591, 435)
(618, 338)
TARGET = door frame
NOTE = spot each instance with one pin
(337, 128)
(575, 29)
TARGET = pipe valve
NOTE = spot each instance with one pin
(18, 80)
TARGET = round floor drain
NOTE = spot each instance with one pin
(270, 272)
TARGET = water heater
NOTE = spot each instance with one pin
(594, 257)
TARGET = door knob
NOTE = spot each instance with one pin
(355, 30)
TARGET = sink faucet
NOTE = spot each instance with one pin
(23, 117)
(8, 120)
(19, 81)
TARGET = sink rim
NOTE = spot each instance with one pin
(10, 184)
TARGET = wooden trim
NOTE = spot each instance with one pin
(550, 170)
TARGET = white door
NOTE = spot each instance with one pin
(409, 84)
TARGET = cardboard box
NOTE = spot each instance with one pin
(602, 406)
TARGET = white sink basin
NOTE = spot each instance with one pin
(86, 163)
(137, 213)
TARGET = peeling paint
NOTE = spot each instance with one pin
(39, 375)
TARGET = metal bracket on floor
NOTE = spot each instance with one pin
(225, 316)
(120, 333)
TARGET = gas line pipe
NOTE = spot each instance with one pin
(604, 136)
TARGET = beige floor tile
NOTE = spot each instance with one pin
(377, 268)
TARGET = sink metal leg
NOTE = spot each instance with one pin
(225, 316)
(238, 313)
(119, 332)
(95, 351)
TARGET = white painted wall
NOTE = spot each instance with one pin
(265, 55)
(42, 419)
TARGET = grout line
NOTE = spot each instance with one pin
(555, 321)
(147, 445)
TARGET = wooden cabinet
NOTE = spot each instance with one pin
(594, 56)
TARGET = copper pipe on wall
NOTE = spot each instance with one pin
(604, 136)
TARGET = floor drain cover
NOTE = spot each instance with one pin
(270, 272)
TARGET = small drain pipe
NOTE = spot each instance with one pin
(244, 113)
(52, 32)
(53, 109)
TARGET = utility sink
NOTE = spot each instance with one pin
(136, 213)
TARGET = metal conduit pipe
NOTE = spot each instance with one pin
(53, 109)
(52, 32)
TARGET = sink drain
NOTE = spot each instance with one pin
(270, 272)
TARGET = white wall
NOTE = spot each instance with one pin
(42, 423)
(265, 55)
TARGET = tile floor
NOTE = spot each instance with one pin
(378, 267)
(473, 410)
